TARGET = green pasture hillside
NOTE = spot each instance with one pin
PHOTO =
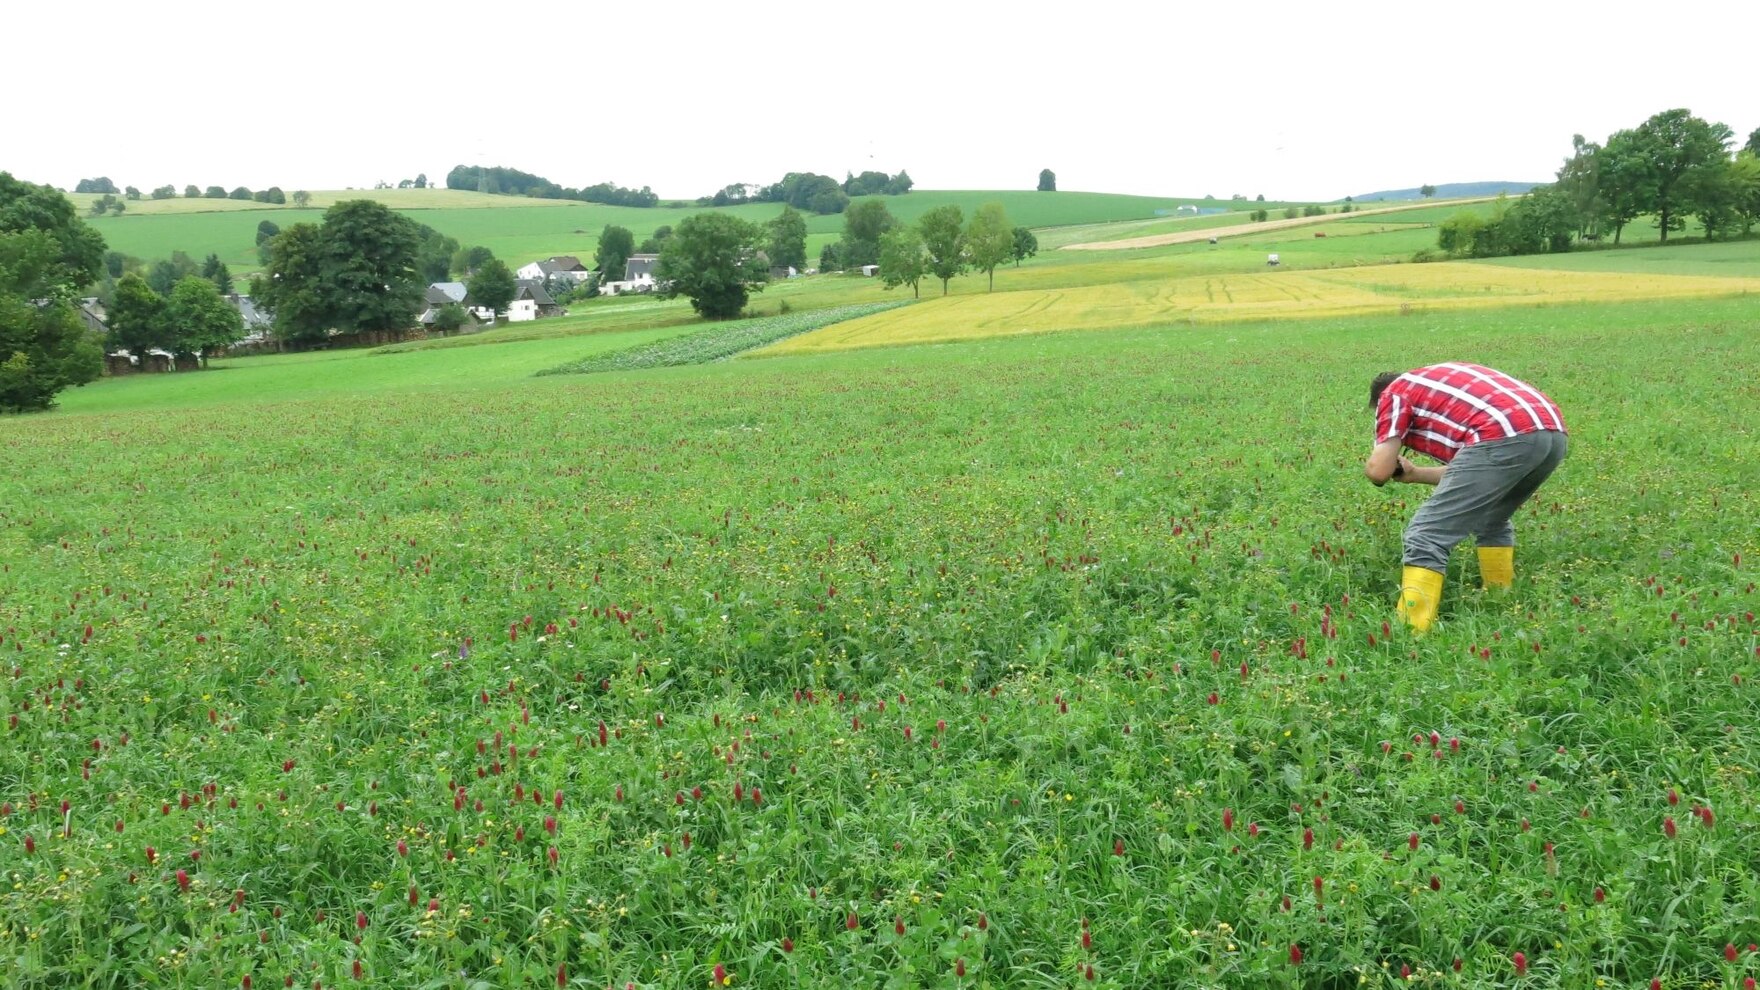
(518, 229)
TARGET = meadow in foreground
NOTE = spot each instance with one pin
(1051, 661)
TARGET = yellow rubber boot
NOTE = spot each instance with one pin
(1497, 566)
(1420, 593)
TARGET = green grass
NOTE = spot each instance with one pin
(975, 647)
(1740, 258)
(314, 376)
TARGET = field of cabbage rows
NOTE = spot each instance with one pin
(1054, 661)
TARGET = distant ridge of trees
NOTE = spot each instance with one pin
(1452, 190)
(513, 182)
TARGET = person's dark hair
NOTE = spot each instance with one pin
(1379, 385)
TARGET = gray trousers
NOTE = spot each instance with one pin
(1481, 490)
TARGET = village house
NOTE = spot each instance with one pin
(638, 276)
(561, 266)
(530, 302)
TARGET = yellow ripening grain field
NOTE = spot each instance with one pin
(1268, 295)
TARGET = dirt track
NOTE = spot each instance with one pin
(1265, 226)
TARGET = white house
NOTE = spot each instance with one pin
(530, 302)
(560, 266)
(638, 276)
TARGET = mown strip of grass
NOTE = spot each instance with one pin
(718, 340)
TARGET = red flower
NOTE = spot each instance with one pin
(562, 974)
(721, 979)
(1600, 895)
(1087, 939)
(357, 969)
(959, 967)
(983, 922)
(787, 944)
(1307, 838)
(553, 855)
(1435, 882)
(1521, 963)
(1729, 952)
(1228, 819)
(1405, 971)
(1412, 842)
(360, 920)
(898, 926)
(1295, 954)
(1118, 847)
(183, 881)
(30, 845)
(402, 848)
(1668, 827)
(851, 922)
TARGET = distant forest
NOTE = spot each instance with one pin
(513, 182)
(804, 190)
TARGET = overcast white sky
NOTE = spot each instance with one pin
(1304, 100)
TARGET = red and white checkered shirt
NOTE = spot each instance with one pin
(1440, 409)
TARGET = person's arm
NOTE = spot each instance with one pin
(1414, 475)
(1384, 462)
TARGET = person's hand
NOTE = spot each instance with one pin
(1407, 471)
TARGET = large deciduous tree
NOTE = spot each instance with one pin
(943, 233)
(493, 287)
(137, 319)
(198, 321)
(291, 285)
(902, 259)
(47, 256)
(1026, 245)
(1047, 180)
(863, 225)
(1745, 172)
(616, 244)
(788, 239)
(989, 240)
(466, 261)
(434, 256)
(369, 267)
(1680, 149)
(713, 259)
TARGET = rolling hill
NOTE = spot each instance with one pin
(1455, 190)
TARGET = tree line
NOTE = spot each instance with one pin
(513, 182)
(813, 192)
(1670, 167)
(102, 184)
